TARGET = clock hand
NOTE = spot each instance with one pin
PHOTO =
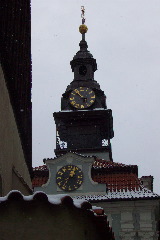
(72, 173)
(66, 181)
(78, 93)
(84, 98)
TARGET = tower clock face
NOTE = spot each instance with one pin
(82, 97)
(69, 178)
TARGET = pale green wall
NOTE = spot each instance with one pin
(133, 220)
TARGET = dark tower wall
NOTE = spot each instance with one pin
(15, 55)
(15, 97)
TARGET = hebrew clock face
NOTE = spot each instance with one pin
(69, 178)
(82, 97)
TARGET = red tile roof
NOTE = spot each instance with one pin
(119, 181)
(100, 163)
(39, 181)
(40, 176)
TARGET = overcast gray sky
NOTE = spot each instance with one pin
(124, 37)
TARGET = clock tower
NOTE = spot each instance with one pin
(84, 124)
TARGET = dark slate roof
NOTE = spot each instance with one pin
(83, 52)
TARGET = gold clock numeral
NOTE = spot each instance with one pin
(73, 102)
(79, 182)
(79, 176)
(76, 91)
(59, 183)
(60, 173)
(71, 98)
(82, 106)
(91, 101)
(93, 96)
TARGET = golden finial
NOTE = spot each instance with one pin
(83, 28)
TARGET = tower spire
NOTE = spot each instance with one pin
(84, 124)
(83, 28)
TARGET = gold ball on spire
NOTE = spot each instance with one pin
(83, 29)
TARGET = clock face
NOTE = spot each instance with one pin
(69, 178)
(82, 97)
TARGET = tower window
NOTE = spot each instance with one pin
(104, 142)
(82, 70)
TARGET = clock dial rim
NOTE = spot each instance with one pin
(82, 98)
(69, 177)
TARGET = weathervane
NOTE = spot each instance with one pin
(83, 28)
(83, 14)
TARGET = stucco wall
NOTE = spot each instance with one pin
(11, 153)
